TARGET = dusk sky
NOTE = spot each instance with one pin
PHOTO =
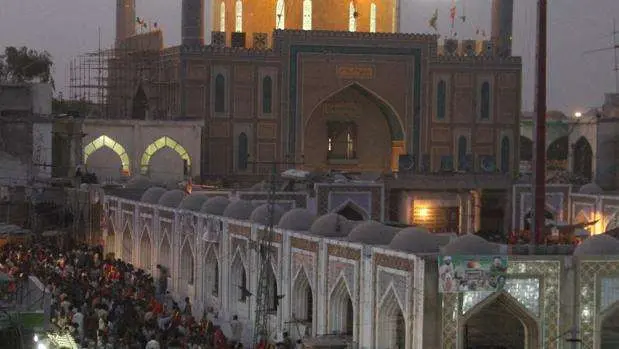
(577, 81)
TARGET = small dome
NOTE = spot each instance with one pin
(470, 244)
(193, 202)
(260, 215)
(152, 195)
(297, 219)
(240, 209)
(590, 189)
(332, 225)
(139, 182)
(215, 205)
(415, 240)
(598, 245)
(171, 198)
(372, 233)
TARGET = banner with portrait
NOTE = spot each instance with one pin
(471, 273)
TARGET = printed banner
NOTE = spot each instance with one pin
(471, 273)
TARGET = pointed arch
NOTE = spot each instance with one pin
(391, 323)
(145, 250)
(462, 149)
(526, 149)
(509, 320)
(140, 104)
(373, 17)
(302, 298)
(211, 277)
(187, 263)
(110, 238)
(608, 325)
(396, 126)
(272, 294)
(127, 244)
(352, 211)
(582, 163)
(106, 141)
(352, 16)
(159, 144)
(307, 14)
(280, 15)
(238, 12)
(341, 309)
(558, 150)
(238, 279)
(165, 252)
(222, 17)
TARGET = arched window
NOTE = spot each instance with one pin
(307, 14)
(352, 17)
(222, 17)
(505, 154)
(373, 18)
(220, 94)
(441, 97)
(238, 9)
(280, 14)
(267, 95)
(243, 152)
(462, 149)
(484, 110)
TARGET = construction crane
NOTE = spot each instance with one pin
(615, 48)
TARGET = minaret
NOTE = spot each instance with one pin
(192, 31)
(502, 26)
(125, 20)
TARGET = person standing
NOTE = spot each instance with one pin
(162, 282)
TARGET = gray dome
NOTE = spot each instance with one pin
(240, 209)
(171, 198)
(590, 189)
(260, 215)
(598, 245)
(415, 240)
(139, 182)
(470, 244)
(193, 202)
(152, 195)
(297, 219)
(215, 205)
(372, 233)
(332, 225)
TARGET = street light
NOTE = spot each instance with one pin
(577, 114)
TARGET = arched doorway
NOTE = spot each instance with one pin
(161, 164)
(187, 266)
(140, 104)
(303, 299)
(352, 212)
(342, 312)
(582, 163)
(499, 322)
(211, 277)
(272, 294)
(102, 156)
(165, 253)
(558, 150)
(609, 328)
(239, 287)
(145, 250)
(127, 251)
(348, 128)
(110, 238)
(391, 326)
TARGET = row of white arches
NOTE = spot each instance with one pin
(105, 141)
(342, 311)
(280, 16)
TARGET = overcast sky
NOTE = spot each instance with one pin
(67, 28)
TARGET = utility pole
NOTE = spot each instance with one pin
(539, 163)
(615, 47)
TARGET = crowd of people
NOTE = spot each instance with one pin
(107, 303)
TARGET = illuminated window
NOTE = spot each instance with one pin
(441, 96)
(222, 17)
(352, 17)
(238, 9)
(105, 141)
(307, 14)
(267, 95)
(341, 140)
(159, 144)
(505, 152)
(280, 15)
(485, 101)
(220, 94)
(373, 18)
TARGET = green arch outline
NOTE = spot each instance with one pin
(108, 142)
(160, 143)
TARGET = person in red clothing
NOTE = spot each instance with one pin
(220, 339)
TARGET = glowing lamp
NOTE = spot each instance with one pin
(577, 114)
(423, 212)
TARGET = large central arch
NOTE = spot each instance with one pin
(106, 141)
(159, 144)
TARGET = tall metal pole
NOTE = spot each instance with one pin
(539, 164)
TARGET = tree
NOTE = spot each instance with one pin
(20, 65)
